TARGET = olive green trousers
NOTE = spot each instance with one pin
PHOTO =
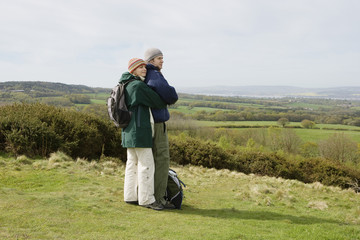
(161, 159)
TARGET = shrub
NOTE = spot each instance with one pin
(207, 154)
(188, 150)
(79, 99)
(38, 129)
(197, 152)
(307, 123)
(327, 172)
(309, 149)
(339, 147)
(283, 122)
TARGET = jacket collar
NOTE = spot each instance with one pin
(149, 66)
(128, 76)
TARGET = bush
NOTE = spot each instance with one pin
(269, 164)
(187, 150)
(307, 123)
(340, 148)
(327, 172)
(39, 129)
(195, 152)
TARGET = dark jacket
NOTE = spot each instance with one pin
(139, 97)
(158, 83)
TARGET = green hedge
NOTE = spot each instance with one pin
(39, 129)
(188, 150)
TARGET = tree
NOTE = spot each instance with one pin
(307, 123)
(289, 141)
(283, 122)
(340, 147)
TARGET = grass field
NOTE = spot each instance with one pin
(187, 110)
(100, 96)
(314, 135)
(308, 106)
(322, 132)
(272, 123)
(98, 101)
(47, 199)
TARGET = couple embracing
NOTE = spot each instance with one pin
(145, 137)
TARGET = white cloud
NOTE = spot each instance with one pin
(229, 42)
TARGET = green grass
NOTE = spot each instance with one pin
(272, 123)
(308, 106)
(239, 104)
(186, 110)
(98, 101)
(100, 96)
(239, 123)
(308, 135)
(315, 135)
(45, 199)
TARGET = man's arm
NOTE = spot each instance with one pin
(159, 84)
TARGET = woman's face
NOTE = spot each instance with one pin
(140, 71)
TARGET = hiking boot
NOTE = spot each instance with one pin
(169, 205)
(155, 206)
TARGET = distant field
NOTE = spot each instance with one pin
(103, 95)
(271, 123)
(307, 135)
(307, 105)
(314, 135)
(237, 123)
(187, 110)
(185, 100)
(98, 101)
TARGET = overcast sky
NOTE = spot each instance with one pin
(304, 43)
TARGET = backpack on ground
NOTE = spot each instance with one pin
(174, 190)
(116, 104)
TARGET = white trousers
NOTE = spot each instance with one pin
(139, 176)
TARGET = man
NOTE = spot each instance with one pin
(137, 137)
(155, 80)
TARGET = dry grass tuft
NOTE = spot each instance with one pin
(40, 164)
(320, 205)
(59, 157)
(24, 160)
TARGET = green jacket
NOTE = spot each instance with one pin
(139, 98)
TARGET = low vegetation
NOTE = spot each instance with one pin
(39, 129)
(187, 150)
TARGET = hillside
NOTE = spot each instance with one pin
(46, 92)
(60, 199)
(352, 93)
(44, 86)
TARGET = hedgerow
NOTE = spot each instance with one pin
(189, 150)
(39, 129)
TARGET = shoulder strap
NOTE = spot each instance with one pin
(129, 81)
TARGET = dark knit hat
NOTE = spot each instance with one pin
(134, 63)
(152, 53)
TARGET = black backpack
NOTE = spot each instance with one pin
(116, 104)
(174, 190)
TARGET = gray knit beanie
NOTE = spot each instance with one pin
(152, 53)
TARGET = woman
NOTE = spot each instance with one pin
(137, 137)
